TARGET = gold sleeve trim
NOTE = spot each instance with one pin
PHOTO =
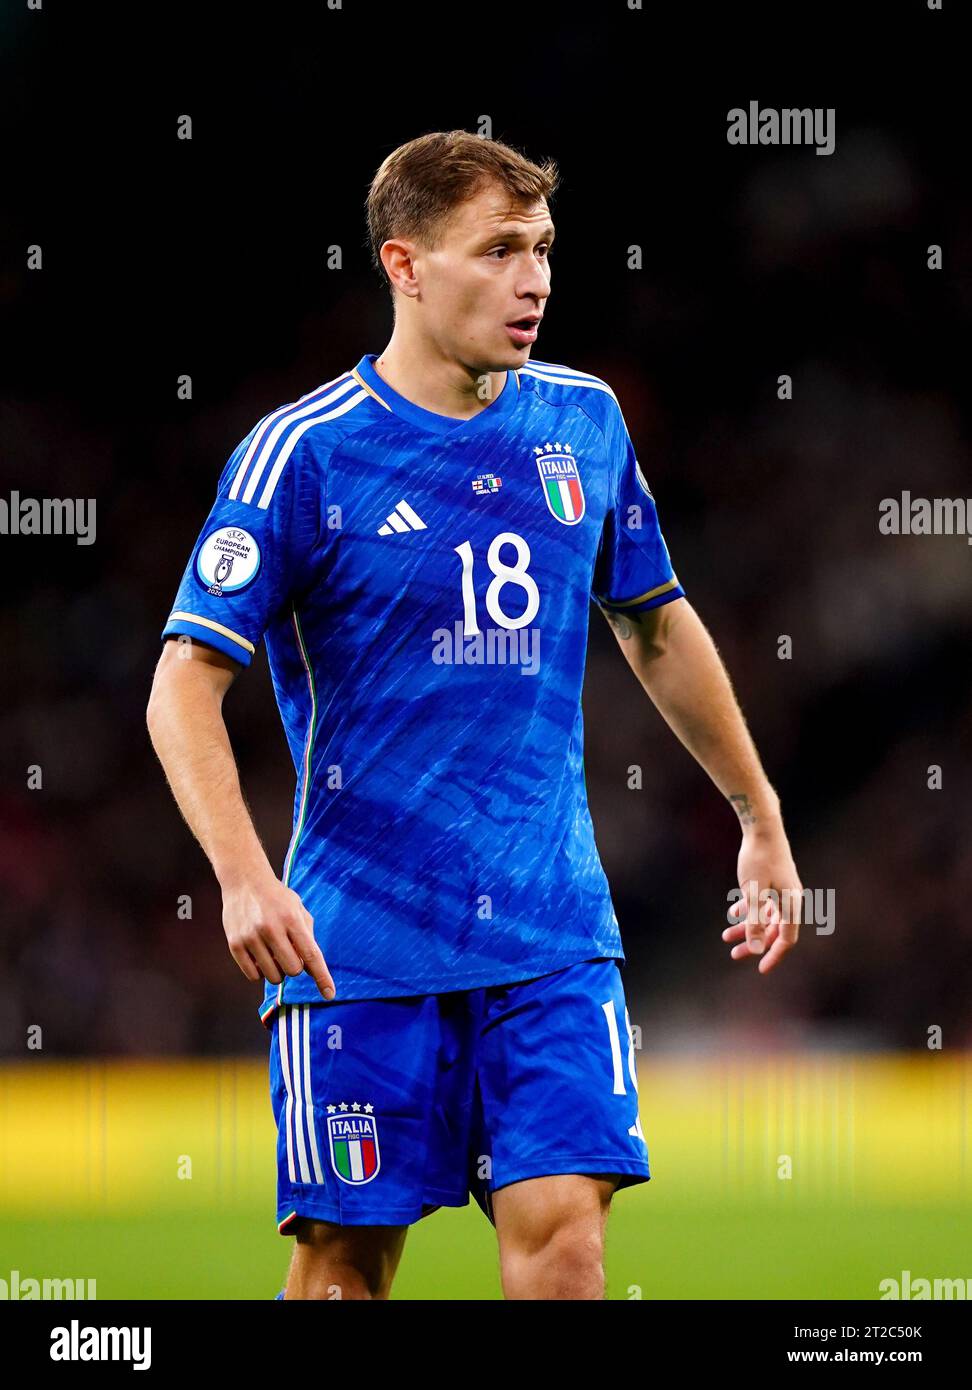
(216, 627)
(643, 598)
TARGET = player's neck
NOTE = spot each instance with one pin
(434, 384)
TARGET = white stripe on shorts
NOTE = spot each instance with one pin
(309, 1098)
(298, 1101)
(285, 1068)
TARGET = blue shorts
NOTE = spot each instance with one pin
(389, 1108)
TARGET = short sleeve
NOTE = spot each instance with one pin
(260, 546)
(633, 571)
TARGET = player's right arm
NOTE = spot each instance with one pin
(259, 551)
(268, 929)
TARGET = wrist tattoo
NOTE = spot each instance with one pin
(744, 811)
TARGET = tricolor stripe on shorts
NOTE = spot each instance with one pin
(293, 1036)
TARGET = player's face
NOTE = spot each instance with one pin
(484, 288)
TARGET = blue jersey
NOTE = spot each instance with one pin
(423, 585)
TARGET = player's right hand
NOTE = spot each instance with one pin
(270, 934)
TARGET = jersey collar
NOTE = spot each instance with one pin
(376, 386)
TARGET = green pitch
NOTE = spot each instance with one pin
(654, 1251)
(801, 1177)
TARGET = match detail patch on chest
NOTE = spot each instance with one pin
(561, 482)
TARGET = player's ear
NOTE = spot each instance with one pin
(397, 256)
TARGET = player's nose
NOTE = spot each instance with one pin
(535, 284)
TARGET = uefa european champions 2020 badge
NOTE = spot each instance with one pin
(228, 561)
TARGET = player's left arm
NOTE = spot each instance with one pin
(676, 661)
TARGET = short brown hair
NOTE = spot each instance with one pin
(421, 183)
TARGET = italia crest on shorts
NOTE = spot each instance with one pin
(352, 1135)
(561, 483)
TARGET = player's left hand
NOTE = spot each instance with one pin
(766, 919)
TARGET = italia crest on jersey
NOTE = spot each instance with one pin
(353, 1139)
(561, 482)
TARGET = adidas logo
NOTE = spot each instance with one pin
(403, 518)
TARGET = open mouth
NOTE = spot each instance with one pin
(523, 331)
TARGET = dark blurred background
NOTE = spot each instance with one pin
(208, 257)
